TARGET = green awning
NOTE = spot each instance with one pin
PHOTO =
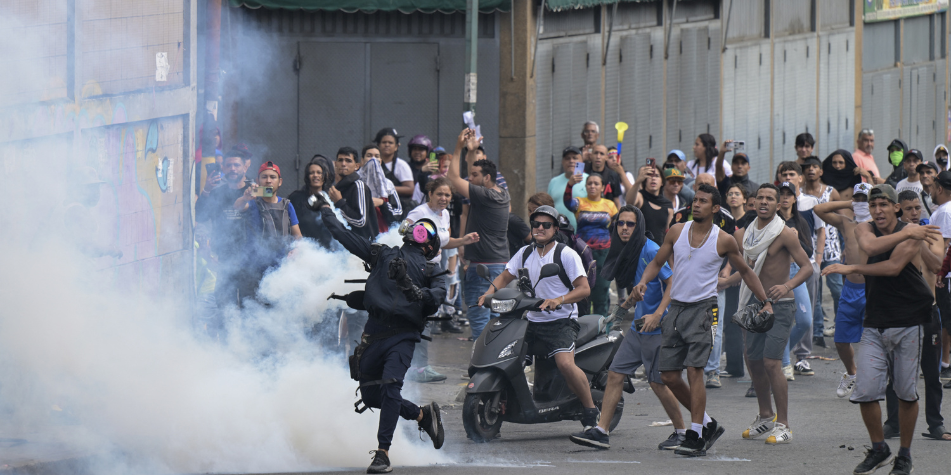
(559, 5)
(369, 6)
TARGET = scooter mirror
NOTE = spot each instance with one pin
(549, 270)
(483, 272)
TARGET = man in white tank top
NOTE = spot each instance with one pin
(698, 249)
(773, 246)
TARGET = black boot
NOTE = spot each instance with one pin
(380, 464)
(451, 326)
(432, 424)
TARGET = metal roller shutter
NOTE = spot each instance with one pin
(674, 93)
(544, 154)
(881, 102)
(941, 103)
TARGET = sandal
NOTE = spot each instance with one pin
(937, 433)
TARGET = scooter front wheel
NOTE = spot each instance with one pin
(481, 416)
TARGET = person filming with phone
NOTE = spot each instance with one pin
(271, 225)
(740, 166)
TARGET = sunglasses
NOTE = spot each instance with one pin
(543, 224)
(626, 224)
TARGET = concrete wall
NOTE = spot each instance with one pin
(82, 85)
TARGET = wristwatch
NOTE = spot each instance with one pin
(768, 301)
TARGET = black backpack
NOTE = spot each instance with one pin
(562, 274)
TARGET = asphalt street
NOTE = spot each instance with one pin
(829, 436)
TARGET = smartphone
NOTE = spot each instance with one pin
(739, 146)
(263, 192)
(639, 324)
(432, 159)
(651, 162)
(212, 168)
(579, 168)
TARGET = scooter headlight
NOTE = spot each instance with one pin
(509, 350)
(503, 306)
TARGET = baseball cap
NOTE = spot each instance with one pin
(862, 189)
(916, 153)
(883, 191)
(440, 151)
(789, 186)
(269, 165)
(928, 164)
(677, 154)
(570, 149)
(673, 172)
(944, 179)
(741, 156)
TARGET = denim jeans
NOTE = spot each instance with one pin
(834, 282)
(599, 294)
(475, 286)
(803, 314)
(713, 363)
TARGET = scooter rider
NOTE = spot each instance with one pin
(553, 329)
(402, 293)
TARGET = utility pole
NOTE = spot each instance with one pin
(472, 55)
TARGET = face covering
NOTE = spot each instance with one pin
(861, 212)
(895, 157)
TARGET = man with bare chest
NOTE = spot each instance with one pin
(770, 248)
(845, 215)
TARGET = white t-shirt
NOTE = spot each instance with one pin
(694, 168)
(442, 226)
(942, 219)
(909, 185)
(401, 171)
(550, 287)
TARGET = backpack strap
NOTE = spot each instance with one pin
(562, 274)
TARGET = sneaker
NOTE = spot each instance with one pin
(874, 459)
(780, 435)
(432, 424)
(902, 466)
(713, 380)
(589, 418)
(819, 341)
(692, 446)
(946, 374)
(751, 392)
(380, 463)
(802, 368)
(592, 437)
(450, 326)
(846, 385)
(712, 432)
(947, 385)
(759, 427)
(788, 373)
(425, 375)
(672, 442)
(829, 331)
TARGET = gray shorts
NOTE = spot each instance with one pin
(687, 334)
(892, 353)
(772, 344)
(637, 350)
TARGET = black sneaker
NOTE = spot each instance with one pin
(589, 418)
(592, 437)
(945, 374)
(672, 442)
(432, 424)
(874, 459)
(902, 466)
(818, 341)
(692, 446)
(712, 432)
(380, 464)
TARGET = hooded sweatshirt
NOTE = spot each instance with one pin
(898, 173)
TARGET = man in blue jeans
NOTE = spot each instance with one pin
(488, 216)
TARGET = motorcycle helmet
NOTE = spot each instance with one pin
(421, 141)
(547, 211)
(423, 234)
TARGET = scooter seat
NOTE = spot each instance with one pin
(588, 330)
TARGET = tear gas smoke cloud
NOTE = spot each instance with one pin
(127, 366)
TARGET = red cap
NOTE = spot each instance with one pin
(269, 165)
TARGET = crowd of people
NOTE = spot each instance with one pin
(880, 242)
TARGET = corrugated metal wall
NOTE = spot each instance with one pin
(834, 13)
(746, 104)
(792, 17)
(794, 92)
(836, 124)
(747, 19)
(693, 84)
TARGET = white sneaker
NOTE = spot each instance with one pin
(829, 331)
(846, 385)
(788, 373)
(780, 435)
(759, 427)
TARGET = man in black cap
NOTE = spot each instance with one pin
(741, 169)
(909, 163)
(570, 158)
(927, 172)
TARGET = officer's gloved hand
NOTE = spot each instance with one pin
(397, 273)
(317, 201)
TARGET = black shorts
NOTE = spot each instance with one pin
(548, 338)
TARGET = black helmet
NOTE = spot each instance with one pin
(422, 233)
(547, 211)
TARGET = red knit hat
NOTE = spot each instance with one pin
(269, 165)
